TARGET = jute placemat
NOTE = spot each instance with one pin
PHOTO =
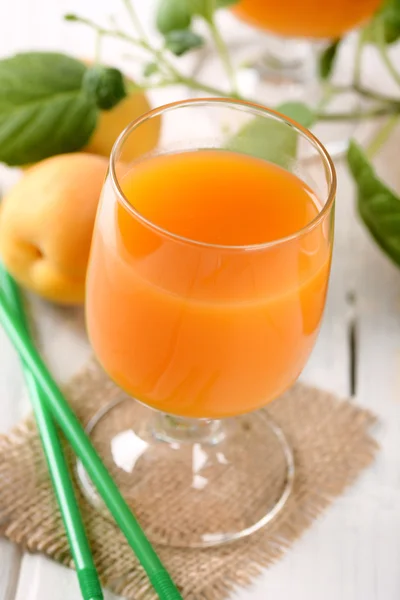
(331, 443)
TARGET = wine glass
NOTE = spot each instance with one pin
(206, 286)
(295, 25)
(275, 58)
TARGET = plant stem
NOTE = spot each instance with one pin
(380, 41)
(328, 93)
(358, 59)
(221, 46)
(176, 76)
(132, 88)
(382, 136)
(203, 87)
(358, 115)
(388, 106)
(140, 43)
(97, 49)
(362, 91)
(136, 22)
(374, 95)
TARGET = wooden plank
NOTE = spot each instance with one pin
(61, 332)
(61, 335)
(352, 551)
(320, 564)
(45, 579)
(378, 388)
(10, 560)
(11, 387)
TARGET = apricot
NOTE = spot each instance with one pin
(111, 122)
(46, 225)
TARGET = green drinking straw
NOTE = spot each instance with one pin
(86, 571)
(83, 448)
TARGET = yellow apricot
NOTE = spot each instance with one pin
(46, 225)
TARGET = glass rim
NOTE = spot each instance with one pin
(257, 109)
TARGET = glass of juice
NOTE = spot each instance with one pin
(296, 29)
(206, 287)
(306, 19)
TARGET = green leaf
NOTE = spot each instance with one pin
(266, 138)
(181, 41)
(378, 205)
(327, 60)
(299, 112)
(71, 17)
(173, 15)
(271, 139)
(199, 7)
(387, 17)
(206, 8)
(104, 85)
(43, 110)
(150, 69)
(225, 3)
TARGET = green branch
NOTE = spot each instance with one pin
(97, 49)
(136, 22)
(358, 115)
(383, 51)
(358, 59)
(382, 136)
(221, 46)
(172, 76)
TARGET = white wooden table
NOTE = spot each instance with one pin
(353, 551)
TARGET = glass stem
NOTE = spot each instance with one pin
(171, 429)
(289, 59)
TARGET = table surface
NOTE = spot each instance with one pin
(352, 552)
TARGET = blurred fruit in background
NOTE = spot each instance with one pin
(306, 18)
(46, 224)
(112, 122)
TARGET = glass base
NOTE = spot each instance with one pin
(192, 483)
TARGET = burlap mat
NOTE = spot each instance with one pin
(331, 443)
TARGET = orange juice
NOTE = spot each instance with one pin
(306, 18)
(188, 307)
